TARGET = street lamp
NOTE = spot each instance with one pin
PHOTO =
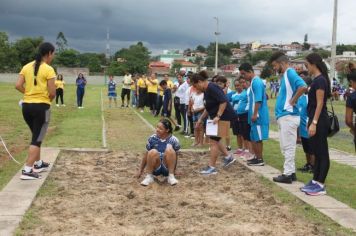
(216, 46)
(333, 44)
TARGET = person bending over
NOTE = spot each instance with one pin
(161, 155)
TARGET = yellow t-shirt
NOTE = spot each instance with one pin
(169, 85)
(59, 84)
(37, 93)
(152, 88)
(133, 85)
(141, 83)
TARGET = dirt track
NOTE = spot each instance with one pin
(96, 194)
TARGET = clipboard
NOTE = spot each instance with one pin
(221, 129)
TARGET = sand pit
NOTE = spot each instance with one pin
(96, 194)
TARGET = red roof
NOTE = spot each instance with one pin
(186, 63)
(158, 64)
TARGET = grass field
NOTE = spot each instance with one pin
(69, 126)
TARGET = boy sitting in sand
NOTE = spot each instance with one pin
(161, 155)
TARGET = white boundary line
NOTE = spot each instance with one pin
(144, 120)
(103, 119)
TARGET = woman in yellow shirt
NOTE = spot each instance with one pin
(152, 88)
(36, 82)
(142, 92)
(59, 89)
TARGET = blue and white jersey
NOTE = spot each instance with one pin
(111, 86)
(302, 107)
(154, 142)
(258, 94)
(235, 99)
(290, 83)
(242, 106)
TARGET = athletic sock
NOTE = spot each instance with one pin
(27, 169)
(38, 163)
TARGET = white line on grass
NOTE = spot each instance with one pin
(144, 120)
(103, 119)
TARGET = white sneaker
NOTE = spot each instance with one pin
(63, 105)
(148, 179)
(172, 180)
(57, 105)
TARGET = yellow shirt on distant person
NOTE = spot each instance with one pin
(37, 93)
(141, 83)
(59, 84)
(133, 85)
(152, 88)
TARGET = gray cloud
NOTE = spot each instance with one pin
(162, 24)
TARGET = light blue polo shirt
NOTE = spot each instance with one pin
(242, 106)
(258, 94)
(235, 100)
(302, 107)
(290, 83)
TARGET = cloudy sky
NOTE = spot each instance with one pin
(169, 24)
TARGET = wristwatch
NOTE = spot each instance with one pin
(315, 122)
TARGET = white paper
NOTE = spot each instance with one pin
(211, 128)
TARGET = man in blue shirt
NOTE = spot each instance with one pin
(292, 86)
(258, 116)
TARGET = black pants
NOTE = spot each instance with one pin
(152, 100)
(37, 116)
(59, 93)
(159, 104)
(142, 97)
(177, 110)
(80, 95)
(190, 120)
(183, 113)
(319, 145)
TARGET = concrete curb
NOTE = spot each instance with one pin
(18, 195)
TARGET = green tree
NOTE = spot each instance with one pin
(116, 68)
(68, 58)
(267, 71)
(254, 58)
(61, 42)
(8, 55)
(200, 48)
(323, 53)
(175, 68)
(135, 58)
(341, 48)
(306, 46)
(27, 49)
(91, 60)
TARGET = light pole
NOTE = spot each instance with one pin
(333, 44)
(216, 45)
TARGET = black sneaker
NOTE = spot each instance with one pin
(286, 179)
(294, 177)
(228, 148)
(41, 168)
(29, 175)
(255, 162)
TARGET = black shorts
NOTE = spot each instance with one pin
(37, 116)
(306, 146)
(235, 127)
(126, 92)
(244, 127)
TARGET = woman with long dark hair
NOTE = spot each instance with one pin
(59, 89)
(81, 83)
(37, 82)
(217, 108)
(318, 124)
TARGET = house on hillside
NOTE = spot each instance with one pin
(187, 65)
(169, 56)
(159, 68)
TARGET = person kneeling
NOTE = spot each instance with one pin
(161, 155)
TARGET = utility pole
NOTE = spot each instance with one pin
(333, 44)
(216, 45)
(107, 53)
